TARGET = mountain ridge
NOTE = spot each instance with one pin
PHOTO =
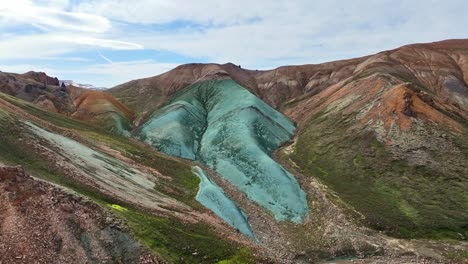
(268, 84)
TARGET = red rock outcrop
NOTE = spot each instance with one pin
(41, 77)
(38, 88)
(40, 223)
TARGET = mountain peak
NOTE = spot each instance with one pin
(41, 77)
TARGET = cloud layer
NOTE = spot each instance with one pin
(255, 34)
(50, 18)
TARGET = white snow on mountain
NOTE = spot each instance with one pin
(82, 85)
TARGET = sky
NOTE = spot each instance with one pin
(109, 42)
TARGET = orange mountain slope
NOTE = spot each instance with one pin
(104, 110)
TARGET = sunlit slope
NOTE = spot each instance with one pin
(224, 126)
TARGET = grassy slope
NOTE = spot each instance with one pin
(167, 237)
(107, 113)
(403, 200)
(180, 242)
(137, 97)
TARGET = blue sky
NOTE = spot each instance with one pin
(105, 43)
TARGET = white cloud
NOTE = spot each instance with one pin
(61, 31)
(164, 11)
(52, 44)
(31, 46)
(260, 33)
(57, 4)
(45, 17)
(255, 34)
(65, 58)
(97, 42)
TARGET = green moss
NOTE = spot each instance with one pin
(184, 184)
(15, 150)
(408, 210)
(323, 172)
(402, 199)
(139, 100)
(118, 208)
(244, 256)
(178, 242)
(458, 256)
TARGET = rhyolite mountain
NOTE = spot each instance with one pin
(216, 163)
(38, 88)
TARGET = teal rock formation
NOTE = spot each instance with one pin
(175, 129)
(212, 197)
(223, 125)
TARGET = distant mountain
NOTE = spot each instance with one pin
(81, 85)
(38, 88)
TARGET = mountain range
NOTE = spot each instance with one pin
(353, 161)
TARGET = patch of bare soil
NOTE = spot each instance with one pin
(40, 223)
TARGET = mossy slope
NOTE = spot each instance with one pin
(405, 174)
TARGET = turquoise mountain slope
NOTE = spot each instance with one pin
(212, 197)
(221, 124)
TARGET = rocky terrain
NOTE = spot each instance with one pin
(39, 88)
(354, 161)
(42, 223)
